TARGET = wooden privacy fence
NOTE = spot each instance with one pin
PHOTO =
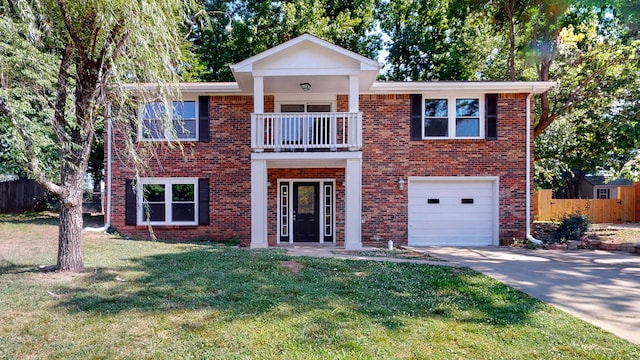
(21, 195)
(637, 187)
(620, 210)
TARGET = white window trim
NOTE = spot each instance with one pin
(451, 110)
(195, 136)
(168, 209)
(332, 104)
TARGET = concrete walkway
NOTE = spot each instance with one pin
(600, 287)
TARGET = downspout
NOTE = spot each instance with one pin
(528, 175)
(107, 215)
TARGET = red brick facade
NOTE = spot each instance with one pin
(224, 160)
(390, 154)
(387, 154)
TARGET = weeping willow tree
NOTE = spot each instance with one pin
(77, 57)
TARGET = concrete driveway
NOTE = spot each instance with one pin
(600, 287)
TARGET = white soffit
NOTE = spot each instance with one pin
(192, 87)
(463, 86)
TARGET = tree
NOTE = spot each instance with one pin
(240, 29)
(593, 120)
(589, 121)
(99, 46)
(433, 40)
(26, 79)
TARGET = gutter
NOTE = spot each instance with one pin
(107, 215)
(528, 174)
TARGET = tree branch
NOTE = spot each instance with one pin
(72, 33)
(4, 109)
(61, 96)
(34, 164)
(547, 117)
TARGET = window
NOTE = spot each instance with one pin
(436, 117)
(168, 201)
(182, 117)
(308, 129)
(453, 117)
(328, 211)
(603, 193)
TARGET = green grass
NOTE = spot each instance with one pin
(156, 300)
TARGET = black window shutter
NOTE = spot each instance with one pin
(491, 118)
(130, 206)
(203, 118)
(203, 201)
(416, 116)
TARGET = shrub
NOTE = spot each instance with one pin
(573, 227)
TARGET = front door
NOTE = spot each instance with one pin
(306, 214)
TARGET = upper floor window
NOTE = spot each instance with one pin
(453, 117)
(180, 122)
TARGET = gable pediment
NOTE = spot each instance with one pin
(306, 59)
(305, 55)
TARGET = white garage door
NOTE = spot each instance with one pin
(453, 211)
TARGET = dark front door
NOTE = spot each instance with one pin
(306, 214)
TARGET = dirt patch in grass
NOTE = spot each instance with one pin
(611, 237)
(615, 234)
(293, 266)
(29, 240)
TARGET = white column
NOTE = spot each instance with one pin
(355, 123)
(257, 122)
(258, 204)
(353, 204)
(354, 93)
(258, 94)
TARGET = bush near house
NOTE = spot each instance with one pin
(572, 227)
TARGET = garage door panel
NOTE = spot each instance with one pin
(461, 213)
(448, 209)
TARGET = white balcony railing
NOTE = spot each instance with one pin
(307, 131)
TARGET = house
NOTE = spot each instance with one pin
(596, 187)
(307, 147)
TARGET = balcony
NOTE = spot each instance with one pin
(326, 131)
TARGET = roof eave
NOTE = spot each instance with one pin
(536, 87)
(190, 88)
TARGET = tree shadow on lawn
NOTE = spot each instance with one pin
(241, 283)
(32, 218)
(7, 267)
(48, 218)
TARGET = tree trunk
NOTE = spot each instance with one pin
(70, 238)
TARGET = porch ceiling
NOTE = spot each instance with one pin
(288, 160)
(319, 84)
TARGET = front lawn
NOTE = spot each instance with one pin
(161, 300)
